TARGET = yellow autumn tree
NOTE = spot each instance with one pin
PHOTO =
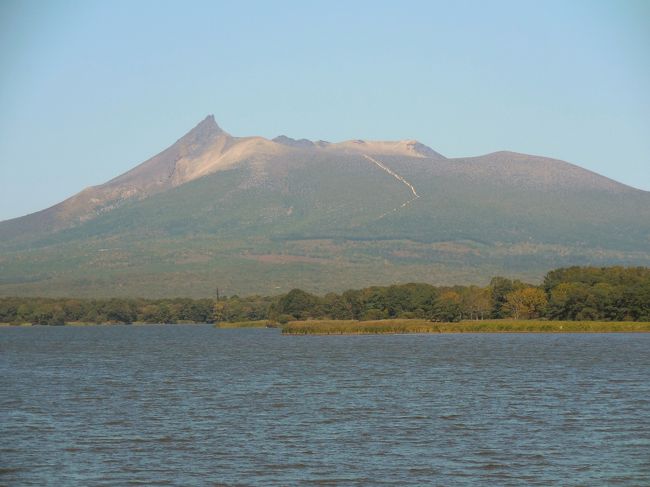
(525, 303)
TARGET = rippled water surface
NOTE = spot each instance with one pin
(194, 405)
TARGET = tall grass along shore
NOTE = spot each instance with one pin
(398, 326)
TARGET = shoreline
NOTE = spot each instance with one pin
(398, 327)
(553, 332)
(229, 326)
(423, 327)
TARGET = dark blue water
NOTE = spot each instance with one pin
(193, 405)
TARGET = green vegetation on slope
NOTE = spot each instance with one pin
(316, 223)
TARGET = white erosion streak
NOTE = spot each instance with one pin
(399, 178)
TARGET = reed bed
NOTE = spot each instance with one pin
(399, 326)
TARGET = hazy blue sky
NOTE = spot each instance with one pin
(90, 89)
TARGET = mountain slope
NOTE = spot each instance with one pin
(249, 214)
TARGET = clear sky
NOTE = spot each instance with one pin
(89, 89)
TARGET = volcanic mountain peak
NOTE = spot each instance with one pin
(409, 148)
(208, 149)
(207, 127)
(261, 215)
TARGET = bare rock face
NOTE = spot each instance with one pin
(160, 169)
(424, 150)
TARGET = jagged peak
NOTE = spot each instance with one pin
(210, 123)
(206, 129)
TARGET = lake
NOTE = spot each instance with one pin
(194, 405)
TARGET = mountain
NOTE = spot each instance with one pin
(248, 214)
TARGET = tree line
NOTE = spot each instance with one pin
(574, 293)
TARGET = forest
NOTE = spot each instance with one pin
(573, 293)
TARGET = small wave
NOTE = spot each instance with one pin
(449, 417)
(490, 466)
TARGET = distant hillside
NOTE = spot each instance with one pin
(247, 215)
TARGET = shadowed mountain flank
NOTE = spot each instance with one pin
(256, 215)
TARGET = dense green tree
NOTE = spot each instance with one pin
(353, 304)
(598, 293)
(499, 289)
(447, 307)
(120, 311)
(335, 307)
(299, 304)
